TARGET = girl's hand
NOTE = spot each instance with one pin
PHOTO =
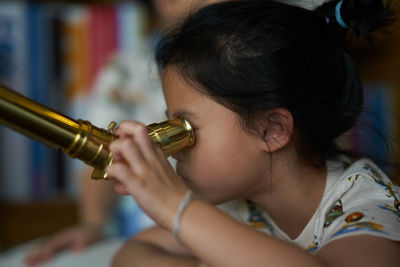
(76, 238)
(142, 171)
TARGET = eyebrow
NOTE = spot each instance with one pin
(181, 112)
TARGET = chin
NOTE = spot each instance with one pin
(213, 200)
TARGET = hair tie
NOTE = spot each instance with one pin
(339, 18)
(327, 20)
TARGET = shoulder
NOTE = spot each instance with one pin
(363, 201)
(361, 250)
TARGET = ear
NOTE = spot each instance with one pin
(276, 129)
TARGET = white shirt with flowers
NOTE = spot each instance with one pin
(359, 199)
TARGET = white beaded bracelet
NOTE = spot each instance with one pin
(185, 201)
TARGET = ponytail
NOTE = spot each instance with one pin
(363, 17)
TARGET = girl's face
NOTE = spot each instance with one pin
(226, 162)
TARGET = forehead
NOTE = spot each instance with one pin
(175, 85)
(183, 96)
(179, 94)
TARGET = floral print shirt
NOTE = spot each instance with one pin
(359, 199)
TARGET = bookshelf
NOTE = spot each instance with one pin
(380, 63)
(52, 52)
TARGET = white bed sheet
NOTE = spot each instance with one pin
(98, 255)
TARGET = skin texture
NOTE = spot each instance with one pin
(226, 163)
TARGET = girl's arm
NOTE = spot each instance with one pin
(362, 250)
(216, 239)
(154, 247)
(223, 241)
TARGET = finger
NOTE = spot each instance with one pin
(53, 247)
(35, 256)
(147, 146)
(152, 153)
(139, 132)
(141, 135)
(120, 188)
(118, 132)
(130, 152)
(125, 129)
(31, 259)
(122, 173)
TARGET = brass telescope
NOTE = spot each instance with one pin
(79, 138)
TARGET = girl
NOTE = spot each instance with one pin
(268, 89)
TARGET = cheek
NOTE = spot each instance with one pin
(224, 164)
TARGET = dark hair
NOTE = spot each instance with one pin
(363, 16)
(252, 56)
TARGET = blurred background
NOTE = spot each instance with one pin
(64, 54)
(69, 54)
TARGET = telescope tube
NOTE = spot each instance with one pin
(79, 138)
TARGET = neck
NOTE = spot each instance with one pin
(292, 195)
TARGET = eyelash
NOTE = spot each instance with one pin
(193, 126)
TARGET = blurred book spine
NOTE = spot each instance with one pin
(102, 39)
(75, 51)
(38, 30)
(53, 53)
(15, 148)
(375, 131)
